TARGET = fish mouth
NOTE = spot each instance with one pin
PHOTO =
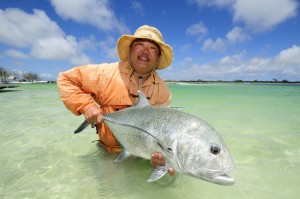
(220, 177)
(223, 179)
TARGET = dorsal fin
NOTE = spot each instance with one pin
(142, 100)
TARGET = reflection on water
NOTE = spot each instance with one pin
(42, 158)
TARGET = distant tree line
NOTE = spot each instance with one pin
(16, 76)
(233, 81)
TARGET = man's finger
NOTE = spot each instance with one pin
(171, 171)
(160, 159)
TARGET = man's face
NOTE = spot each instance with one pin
(143, 55)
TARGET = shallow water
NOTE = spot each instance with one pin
(42, 158)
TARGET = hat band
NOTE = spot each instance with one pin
(158, 34)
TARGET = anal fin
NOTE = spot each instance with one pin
(123, 156)
(158, 173)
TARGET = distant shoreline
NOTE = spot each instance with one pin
(3, 86)
(230, 82)
(35, 82)
(15, 84)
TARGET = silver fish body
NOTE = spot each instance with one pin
(189, 144)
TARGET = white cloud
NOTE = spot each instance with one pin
(261, 15)
(253, 16)
(59, 48)
(109, 47)
(285, 65)
(256, 15)
(21, 29)
(87, 43)
(42, 36)
(198, 29)
(16, 54)
(93, 12)
(231, 60)
(237, 34)
(137, 7)
(217, 45)
(290, 56)
(186, 62)
(47, 76)
(212, 3)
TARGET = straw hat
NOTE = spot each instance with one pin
(146, 32)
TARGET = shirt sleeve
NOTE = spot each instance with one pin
(77, 88)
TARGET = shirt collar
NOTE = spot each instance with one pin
(153, 79)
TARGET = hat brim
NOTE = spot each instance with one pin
(125, 41)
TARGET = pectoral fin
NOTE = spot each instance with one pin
(82, 126)
(158, 173)
(123, 156)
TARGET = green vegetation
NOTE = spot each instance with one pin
(238, 81)
(9, 76)
(3, 73)
(31, 77)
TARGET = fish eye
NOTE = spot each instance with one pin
(215, 149)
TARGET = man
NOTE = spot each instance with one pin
(114, 86)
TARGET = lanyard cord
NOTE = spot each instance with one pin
(141, 76)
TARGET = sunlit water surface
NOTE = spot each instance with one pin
(42, 158)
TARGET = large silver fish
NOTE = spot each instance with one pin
(189, 145)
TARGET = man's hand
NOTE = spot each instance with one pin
(157, 159)
(94, 115)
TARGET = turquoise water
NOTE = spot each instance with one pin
(42, 158)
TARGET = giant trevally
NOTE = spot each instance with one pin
(189, 144)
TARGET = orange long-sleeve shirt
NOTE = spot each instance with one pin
(110, 86)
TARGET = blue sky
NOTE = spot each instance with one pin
(211, 39)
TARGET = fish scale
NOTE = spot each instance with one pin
(185, 140)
